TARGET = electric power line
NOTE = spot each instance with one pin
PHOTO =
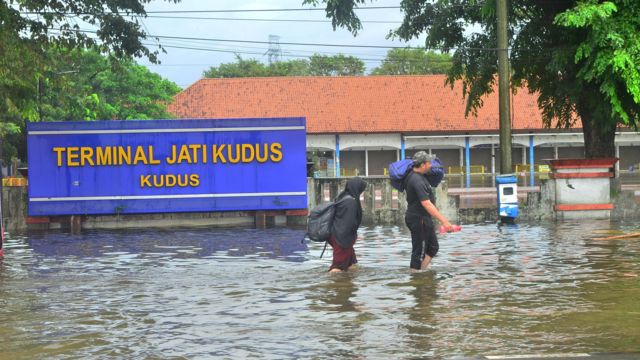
(267, 20)
(284, 43)
(212, 11)
(126, 12)
(288, 55)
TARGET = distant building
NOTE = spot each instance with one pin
(358, 125)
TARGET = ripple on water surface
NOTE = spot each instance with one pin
(200, 293)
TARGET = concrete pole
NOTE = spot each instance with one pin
(402, 154)
(337, 162)
(461, 157)
(618, 162)
(366, 162)
(493, 159)
(531, 161)
(524, 155)
(503, 88)
(467, 153)
(555, 151)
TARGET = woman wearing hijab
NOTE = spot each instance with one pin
(348, 216)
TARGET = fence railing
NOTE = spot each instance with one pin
(538, 168)
(461, 170)
(381, 203)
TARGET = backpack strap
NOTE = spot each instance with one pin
(325, 248)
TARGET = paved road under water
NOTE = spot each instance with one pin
(200, 293)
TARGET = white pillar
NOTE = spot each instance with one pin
(430, 152)
(618, 162)
(524, 155)
(397, 155)
(461, 157)
(555, 151)
(366, 162)
(493, 159)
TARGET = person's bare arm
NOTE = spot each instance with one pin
(433, 211)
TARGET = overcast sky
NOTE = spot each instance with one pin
(184, 66)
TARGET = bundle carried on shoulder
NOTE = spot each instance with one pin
(398, 171)
(436, 174)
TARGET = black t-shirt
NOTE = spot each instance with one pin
(418, 190)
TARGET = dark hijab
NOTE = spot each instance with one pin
(348, 212)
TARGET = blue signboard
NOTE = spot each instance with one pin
(113, 167)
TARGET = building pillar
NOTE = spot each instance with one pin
(467, 150)
(402, 153)
(366, 162)
(260, 220)
(555, 151)
(430, 152)
(397, 155)
(531, 161)
(75, 222)
(618, 162)
(493, 158)
(337, 155)
(524, 155)
(461, 157)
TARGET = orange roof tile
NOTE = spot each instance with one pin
(364, 104)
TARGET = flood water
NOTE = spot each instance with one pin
(202, 293)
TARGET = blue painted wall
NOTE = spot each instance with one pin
(166, 166)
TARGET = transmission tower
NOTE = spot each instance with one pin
(274, 52)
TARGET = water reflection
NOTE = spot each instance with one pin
(422, 318)
(200, 293)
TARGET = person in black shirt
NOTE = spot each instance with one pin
(420, 210)
(346, 222)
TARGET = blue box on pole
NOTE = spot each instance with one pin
(507, 186)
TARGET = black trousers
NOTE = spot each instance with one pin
(423, 238)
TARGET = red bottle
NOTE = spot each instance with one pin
(456, 228)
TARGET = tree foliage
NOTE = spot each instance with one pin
(78, 85)
(29, 29)
(336, 65)
(317, 65)
(53, 22)
(84, 85)
(581, 57)
(413, 62)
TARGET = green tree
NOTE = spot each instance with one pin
(317, 65)
(29, 27)
(240, 68)
(581, 57)
(336, 65)
(295, 67)
(413, 62)
(84, 85)
(45, 22)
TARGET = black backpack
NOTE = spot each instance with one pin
(320, 222)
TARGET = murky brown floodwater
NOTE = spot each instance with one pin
(261, 294)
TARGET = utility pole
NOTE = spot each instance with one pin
(504, 88)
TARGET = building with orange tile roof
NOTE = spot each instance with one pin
(363, 123)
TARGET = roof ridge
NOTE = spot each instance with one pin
(322, 77)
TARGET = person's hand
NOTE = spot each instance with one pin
(447, 225)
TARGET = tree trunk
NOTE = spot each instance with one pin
(599, 133)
